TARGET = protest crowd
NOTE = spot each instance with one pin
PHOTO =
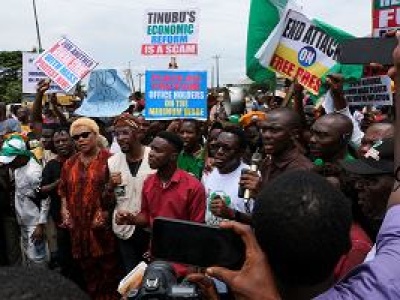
(311, 188)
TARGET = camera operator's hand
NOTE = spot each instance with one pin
(219, 208)
(206, 285)
(255, 279)
(252, 181)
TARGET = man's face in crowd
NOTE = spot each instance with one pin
(252, 134)
(212, 141)
(276, 134)
(373, 194)
(125, 135)
(374, 134)
(143, 127)
(63, 143)
(23, 115)
(47, 139)
(325, 140)
(189, 136)
(161, 153)
(227, 151)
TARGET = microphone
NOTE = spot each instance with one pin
(255, 162)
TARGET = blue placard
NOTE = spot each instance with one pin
(108, 95)
(176, 94)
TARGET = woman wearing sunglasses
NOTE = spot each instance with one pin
(85, 210)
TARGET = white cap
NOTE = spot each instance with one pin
(16, 143)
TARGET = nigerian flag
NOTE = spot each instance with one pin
(295, 47)
(264, 17)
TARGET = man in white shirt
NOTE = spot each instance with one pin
(222, 184)
(30, 209)
(128, 170)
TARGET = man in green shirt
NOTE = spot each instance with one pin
(191, 159)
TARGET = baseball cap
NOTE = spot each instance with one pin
(12, 147)
(379, 160)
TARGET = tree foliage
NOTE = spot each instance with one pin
(10, 76)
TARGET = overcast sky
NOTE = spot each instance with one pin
(111, 31)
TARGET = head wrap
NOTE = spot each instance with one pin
(12, 147)
(126, 119)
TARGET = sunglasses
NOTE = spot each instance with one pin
(84, 135)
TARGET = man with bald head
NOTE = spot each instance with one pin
(280, 132)
(373, 135)
(330, 137)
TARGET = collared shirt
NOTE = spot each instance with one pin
(192, 163)
(290, 160)
(378, 279)
(182, 198)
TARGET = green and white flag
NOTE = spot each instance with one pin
(264, 17)
(305, 50)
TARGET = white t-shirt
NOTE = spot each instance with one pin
(226, 186)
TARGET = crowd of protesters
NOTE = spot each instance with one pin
(79, 196)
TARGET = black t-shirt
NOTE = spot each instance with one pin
(134, 167)
(51, 173)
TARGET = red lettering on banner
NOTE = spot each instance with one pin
(283, 66)
(308, 80)
(50, 72)
(178, 49)
(62, 83)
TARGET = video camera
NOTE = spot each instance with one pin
(160, 283)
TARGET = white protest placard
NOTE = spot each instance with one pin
(304, 52)
(171, 32)
(65, 64)
(370, 91)
(31, 75)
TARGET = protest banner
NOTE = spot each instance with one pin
(370, 91)
(108, 95)
(385, 16)
(171, 32)
(65, 64)
(176, 94)
(304, 52)
(31, 75)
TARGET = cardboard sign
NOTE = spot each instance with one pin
(31, 75)
(304, 52)
(108, 95)
(176, 94)
(65, 64)
(171, 32)
(385, 16)
(370, 91)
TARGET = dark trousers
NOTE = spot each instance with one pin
(132, 249)
(69, 267)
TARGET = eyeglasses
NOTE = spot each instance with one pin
(84, 135)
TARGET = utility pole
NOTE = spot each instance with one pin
(212, 77)
(37, 27)
(140, 75)
(217, 57)
(130, 78)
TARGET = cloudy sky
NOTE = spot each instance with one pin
(111, 31)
